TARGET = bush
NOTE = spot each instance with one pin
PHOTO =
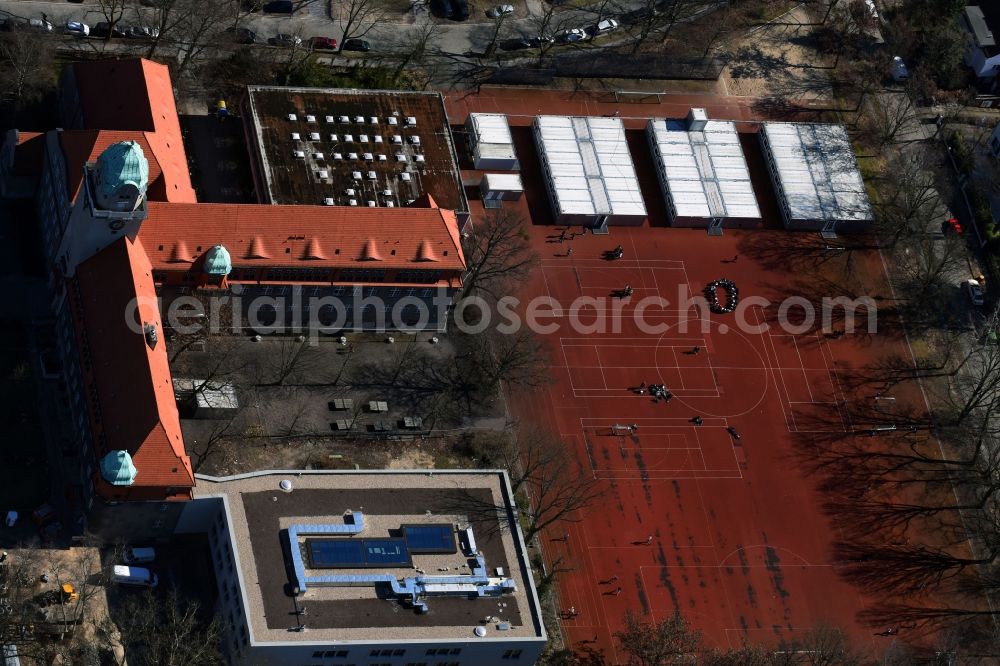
(960, 151)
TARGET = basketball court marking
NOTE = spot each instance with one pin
(661, 449)
(590, 362)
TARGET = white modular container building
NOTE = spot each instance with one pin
(588, 171)
(816, 177)
(490, 142)
(703, 174)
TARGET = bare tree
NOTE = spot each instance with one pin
(497, 252)
(168, 632)
(656, 643)
(205, 21)
(26, 60)
(416, 46)
(888, 115)
(113, 11)
(358, 18)
(906, 203)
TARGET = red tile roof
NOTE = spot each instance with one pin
(28, 154)
(304, 236)
(83, 146)
(146, 105)
(134, 389)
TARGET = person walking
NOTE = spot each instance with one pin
(618, 591)
(649, 539)
(569, 252)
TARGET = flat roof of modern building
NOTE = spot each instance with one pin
(491, 135)
(388, 147)
(818, 172)
(260, 514)
(704, 170)
(590, 166)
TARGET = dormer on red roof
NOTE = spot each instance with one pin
(256, 249)
(313, 250)
(179, 254)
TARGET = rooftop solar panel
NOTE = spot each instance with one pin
(439, 538)
(357, 553)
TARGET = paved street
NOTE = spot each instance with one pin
(453, 38)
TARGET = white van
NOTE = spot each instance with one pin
(138, 555)
(134, 576)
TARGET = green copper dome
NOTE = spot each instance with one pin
(117, 468)
(217, 261)
(122, 164)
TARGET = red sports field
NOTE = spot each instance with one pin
(739, 542)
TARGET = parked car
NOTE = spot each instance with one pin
(138, 555)
(77, 29)
(141, 32)
(515, 44)
(282, 39)
(41, 25)
(356, 45)
(279, 7)
(442, 8)
(323, 43)
(639, 15)
(500, 10)
(602, 27)
(103, 28)
(245, 36)
(124, 575)
(461, 10)
(571, 35)
(539, 42)
(43, 515)
(975, 291)
(898, 69)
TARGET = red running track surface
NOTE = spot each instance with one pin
(740, 545)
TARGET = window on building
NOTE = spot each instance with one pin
(318, 654)
(512, 654)
(456, 651)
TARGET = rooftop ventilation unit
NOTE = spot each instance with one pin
(419, 158)
(405, 176)
(389, 204)
(374, 120)
(352, 156)
(372, 175)
(324, 174)
(301, 154)
(349, 138)
(292, 116)
(345, 119)
(359, 119)
(398, 140)
(295, 136)
(392, 121)
(352, 202)
(349, 192)
(314, 136)
(317, 156)
(378, 139)
(334, 138)
(329, 119)
(310, 119)
(149, 330)
(387, 193)
(411, 121)
(415, 140)
(369, 156)
(356, 175)
(371, 204)
(363, 138)
(381, 157)
(338, 156)
(329, 201)
(400, 157)
(696, 120)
